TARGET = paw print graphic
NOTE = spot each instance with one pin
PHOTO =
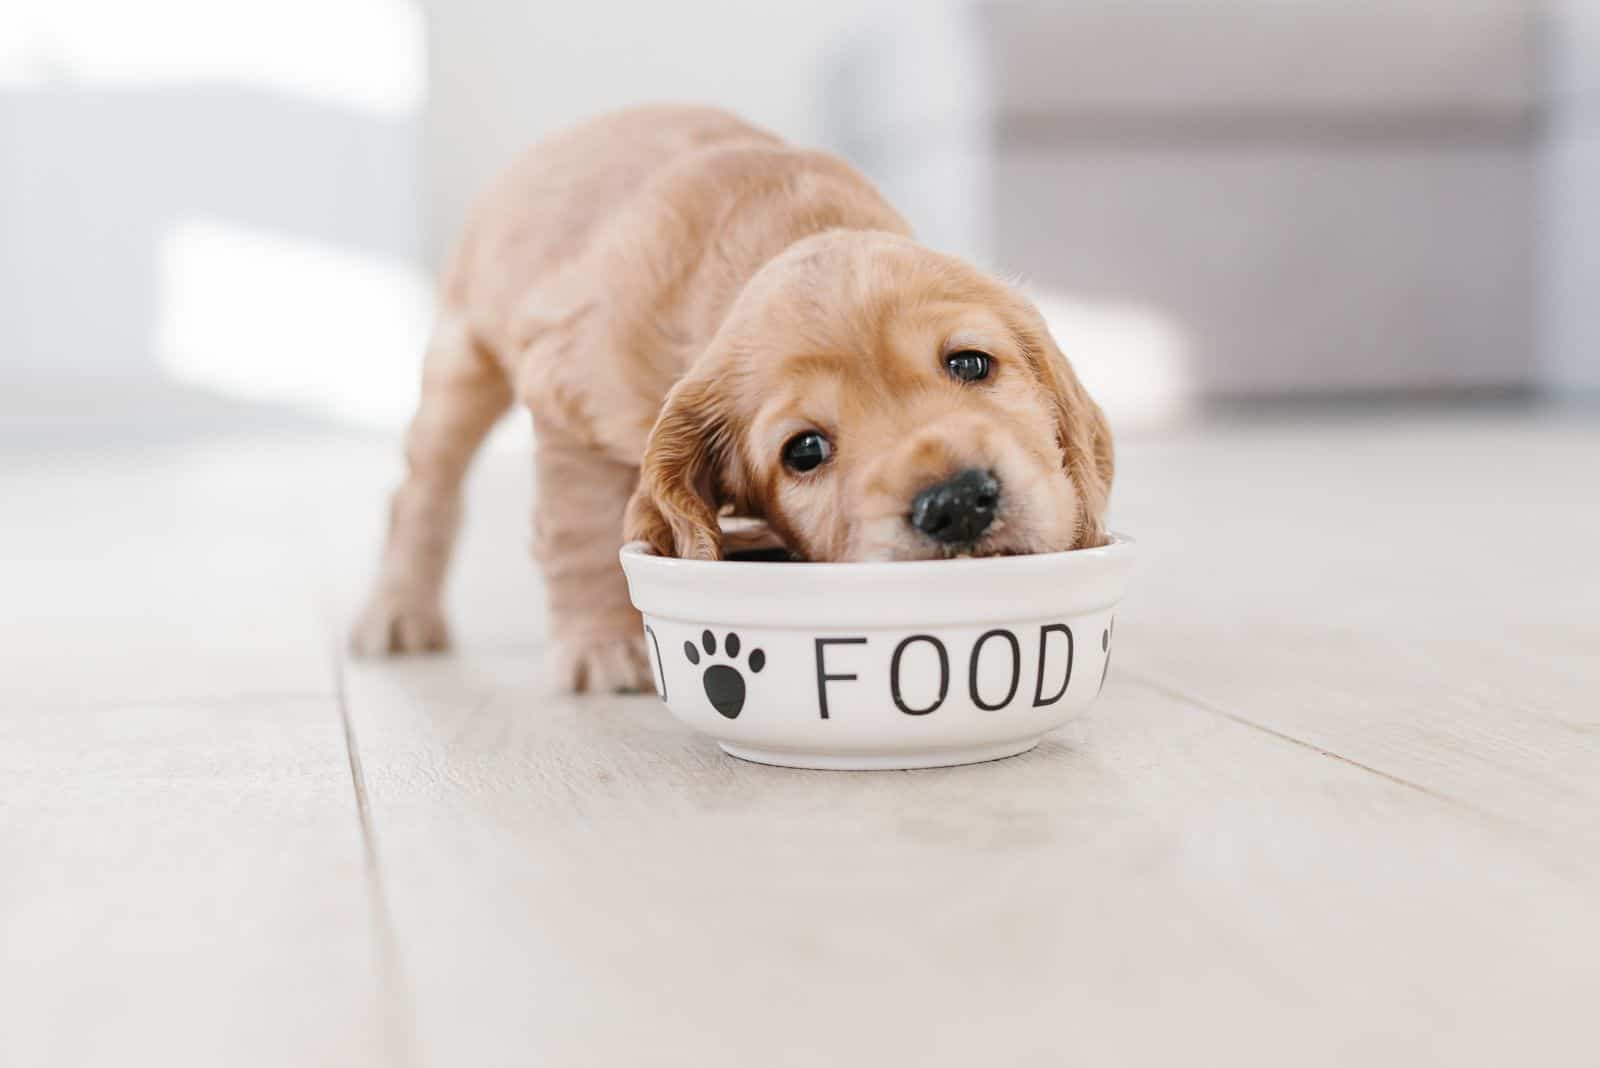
(1105, 647)
(723, 683)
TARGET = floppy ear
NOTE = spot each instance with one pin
(674, 508)
(1083, 434)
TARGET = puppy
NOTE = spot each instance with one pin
(705, 321)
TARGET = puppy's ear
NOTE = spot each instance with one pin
(1081, 431)
(674, 508)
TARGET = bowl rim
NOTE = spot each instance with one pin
(1117, 547)
(887, 594)
(882, 593)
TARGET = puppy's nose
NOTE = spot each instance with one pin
(959, 509)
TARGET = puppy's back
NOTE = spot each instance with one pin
(548, 207)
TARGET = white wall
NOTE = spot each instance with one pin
(245, 200)
(220, 196)
(505, 72)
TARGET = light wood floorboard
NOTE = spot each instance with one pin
(1339, 804)
(183, 884)
(1418, 598)
(183, 879)
(583, 882)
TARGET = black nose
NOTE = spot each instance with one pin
(958, 509)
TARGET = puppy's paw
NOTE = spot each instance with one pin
(396, 624)
(609, 665)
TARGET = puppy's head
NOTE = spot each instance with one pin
(873, 400)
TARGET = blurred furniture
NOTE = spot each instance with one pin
(1570, 195)
(1312, 196)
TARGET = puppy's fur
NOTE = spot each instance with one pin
(674, 294)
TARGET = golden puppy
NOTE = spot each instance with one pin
(704, 320)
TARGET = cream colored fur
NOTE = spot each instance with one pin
(672, 294)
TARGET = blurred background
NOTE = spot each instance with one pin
(1333, 269)
(217, 215)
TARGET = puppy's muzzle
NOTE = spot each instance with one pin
(958, 510)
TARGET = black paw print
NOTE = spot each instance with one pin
(724, 685)
(1105, 647)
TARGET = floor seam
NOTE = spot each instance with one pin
(1244, 721)
(396, 991)
(181, 701)
(1496, 822)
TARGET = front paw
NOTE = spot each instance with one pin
(609, 665)
(394, 623)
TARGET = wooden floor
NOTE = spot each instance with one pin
(1339, 804)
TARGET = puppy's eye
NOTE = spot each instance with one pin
(969, 365)
(806, 450)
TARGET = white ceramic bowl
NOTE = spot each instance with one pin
(893, 665)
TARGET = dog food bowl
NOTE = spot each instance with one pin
(886, 665)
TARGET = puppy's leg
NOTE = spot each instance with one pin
(577, 530)
(463, 393)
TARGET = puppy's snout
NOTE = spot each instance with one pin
(958, 510)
